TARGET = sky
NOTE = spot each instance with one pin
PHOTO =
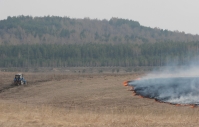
(181, 15)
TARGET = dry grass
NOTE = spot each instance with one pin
(20, 115)
(85, 100)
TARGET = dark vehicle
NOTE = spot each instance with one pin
(19, 79)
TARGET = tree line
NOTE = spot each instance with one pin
(65, 30)
(98, 55)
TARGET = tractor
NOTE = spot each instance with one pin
(19, 79)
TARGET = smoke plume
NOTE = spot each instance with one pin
(175, 86)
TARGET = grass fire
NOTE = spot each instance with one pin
(173, 90)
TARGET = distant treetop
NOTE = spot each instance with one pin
(64, 30)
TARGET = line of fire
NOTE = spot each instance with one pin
(180, 91)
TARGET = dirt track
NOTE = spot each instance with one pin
(101, 94)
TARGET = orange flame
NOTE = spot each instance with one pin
(126, 83)
(141, 96)
(193, 106)
(178, 104)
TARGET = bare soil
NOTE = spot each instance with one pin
(53, 99)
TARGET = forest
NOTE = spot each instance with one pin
(53, 41)
(64, 30)
(99, 55)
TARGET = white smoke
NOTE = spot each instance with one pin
(176, 85)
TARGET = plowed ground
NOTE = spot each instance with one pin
(85, 100)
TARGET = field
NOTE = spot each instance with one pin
(83, 100)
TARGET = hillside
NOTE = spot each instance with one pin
(64, 30)
(63, 42)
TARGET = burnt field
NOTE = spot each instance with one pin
(81, 100)
(172, 90)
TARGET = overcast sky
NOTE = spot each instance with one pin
(181, 15)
